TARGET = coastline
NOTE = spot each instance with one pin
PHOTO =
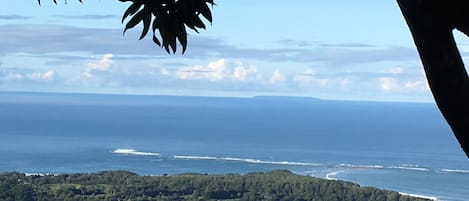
(330, 176)
(420, 196)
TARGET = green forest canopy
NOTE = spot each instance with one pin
(279, 185)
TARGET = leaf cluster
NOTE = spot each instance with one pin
(168, 19)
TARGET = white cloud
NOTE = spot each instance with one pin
(216, 70)
(46, 76)
(310, 72)
(13, 76)
(103, 64)
(164, 71)
(35, 76)
(418, 85)
(241, 72)
(309, 78)
(219, 70)
(388, 83)
(346, 82)
(277, 77)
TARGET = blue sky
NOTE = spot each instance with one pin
(353, 50)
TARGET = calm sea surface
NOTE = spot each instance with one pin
(405, 147)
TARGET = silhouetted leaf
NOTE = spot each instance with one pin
(131, 10)
(155, 40)
(203, 8)
(182, 37)
(146, 22)
(135, 20)
(154, 28)
(173, 31)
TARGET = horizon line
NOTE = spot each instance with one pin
(261, 95)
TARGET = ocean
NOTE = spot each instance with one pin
(406, 147)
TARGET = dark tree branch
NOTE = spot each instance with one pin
(431, 23)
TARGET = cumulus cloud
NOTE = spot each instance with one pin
(421, 85)
(219, 70)
(310, 78)
(241, 72)
(216, 70)
(405, 84)
(46, 76)
(164, 71)
(34, 76)
(102, 65)
(277, 77)
(388, 83)
(10, 76)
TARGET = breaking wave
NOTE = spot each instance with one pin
(455, 171)
(246, 160)
(134, 152)
(196, 157)
(410, 167)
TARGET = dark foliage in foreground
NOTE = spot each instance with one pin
(122, 185)
(168, 19)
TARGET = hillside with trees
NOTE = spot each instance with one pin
(122, 185)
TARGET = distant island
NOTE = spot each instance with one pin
(278, 185)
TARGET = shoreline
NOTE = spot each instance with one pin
(420, 196)
(330, 177)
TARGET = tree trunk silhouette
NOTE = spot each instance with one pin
(431, 23)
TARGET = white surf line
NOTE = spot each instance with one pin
(196, 157)
(249, 160)
(330, 175)
(410, 168)
(134, 152)
(246, 160)
(361, 166)
(455, 171)
(420, 196)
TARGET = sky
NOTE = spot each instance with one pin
(344, 50)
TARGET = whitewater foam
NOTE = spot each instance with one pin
(134, 152)
(249, 160)
(455, 171)
(361, 166)
(246, 160)
(196, 157)
(331, 175)
(410, 167)
(420, 196)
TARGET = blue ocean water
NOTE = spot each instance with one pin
(405, 147)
